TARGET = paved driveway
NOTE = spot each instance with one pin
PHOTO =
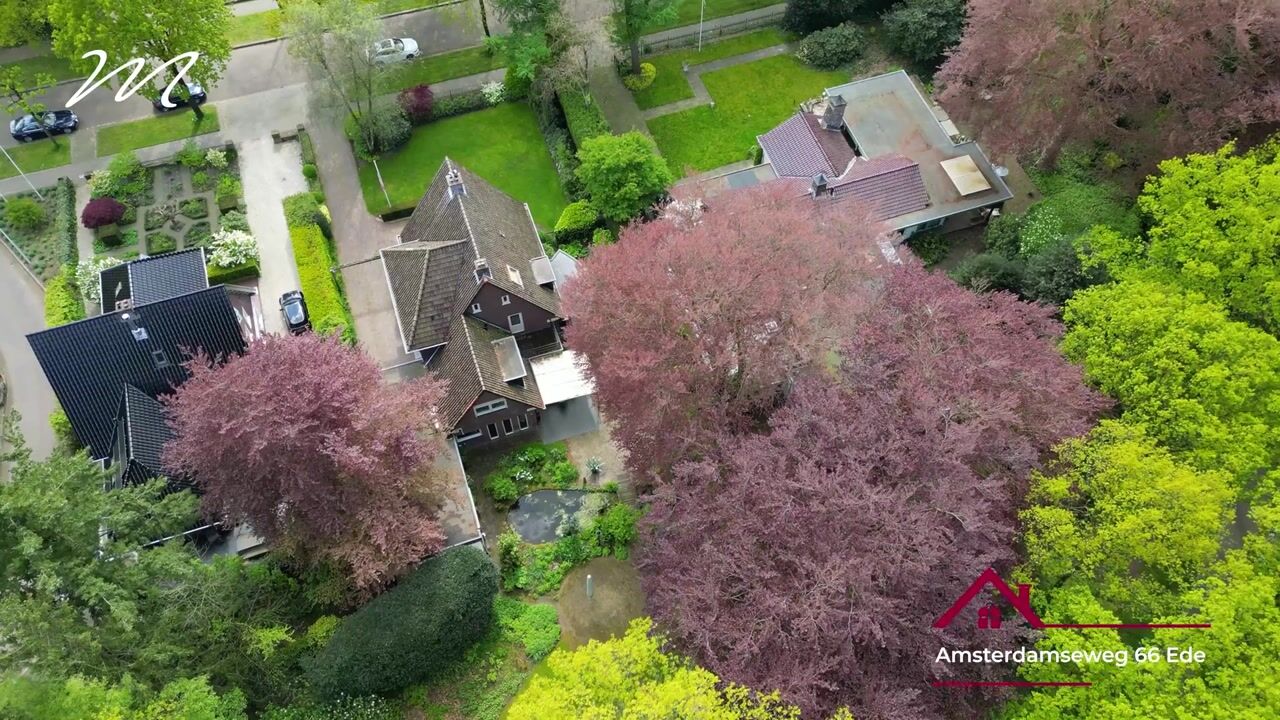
(270, 173)
(22, 312)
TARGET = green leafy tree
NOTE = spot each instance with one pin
(623, 174)
(632, 677)
(1214, 227)
(806, 16)
(1205, 386)
(154, 31)
(333, 39)
(23, 22)
(19, 89)
(27, 698)
(1119, 510)
(631, 19)
(924, 30)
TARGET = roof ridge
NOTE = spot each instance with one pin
(878, 173)
(417, 299)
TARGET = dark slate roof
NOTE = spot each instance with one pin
(889, 186)
(470, 363)
(142, 421)
(155, 278)
(800, 147)
(431, 273)
(90, 362)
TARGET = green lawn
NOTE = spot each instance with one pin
(177, 125)
(57, 67)
(266, 25)
(501, 144)
(671, 84)
(750, 99)
(688, 10)
(436, 68)
(37, 155)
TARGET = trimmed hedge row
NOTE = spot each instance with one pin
(413, 631)
(62, 301)
(66, 221)
(308, 232)
(583, 116)
(220, 275)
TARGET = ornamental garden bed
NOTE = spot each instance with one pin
(750, 99)
(501, 144)
(42, 230)
(172, 206)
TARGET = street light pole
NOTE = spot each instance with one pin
(701, 16)
(20, 172)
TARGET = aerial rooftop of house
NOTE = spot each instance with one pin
(879, 143)
(152, 279)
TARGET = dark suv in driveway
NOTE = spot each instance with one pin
(194, 95)
(294, 307)
(28, 128)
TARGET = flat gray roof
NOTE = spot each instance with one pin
(887, 114)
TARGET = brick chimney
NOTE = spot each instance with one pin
(456, 188)
(819, 185)
(833, 113)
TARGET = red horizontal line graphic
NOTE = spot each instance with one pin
(1130, 626)
(1006, 683)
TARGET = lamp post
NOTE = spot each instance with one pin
(20, 172)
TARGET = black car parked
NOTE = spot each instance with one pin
(295, 312)
(193, 95)
(28, 128)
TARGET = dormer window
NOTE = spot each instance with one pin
(475, 307)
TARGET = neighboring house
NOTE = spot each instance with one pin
(475, 298)
(879, 143)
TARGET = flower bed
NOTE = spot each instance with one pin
(46, 241)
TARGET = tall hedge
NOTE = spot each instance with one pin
(411, 632)
(62, 301)
(308, 231)
(583, 116)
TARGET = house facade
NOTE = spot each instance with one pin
(879, 144)
(476, 300)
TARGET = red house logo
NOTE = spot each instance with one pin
(989, 616)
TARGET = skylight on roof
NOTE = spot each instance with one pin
(542, 271)
(514, 274)
(509, 360)
(965, 175)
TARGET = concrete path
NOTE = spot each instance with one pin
(22, 301)
(270, 173)
(700, 94)
(23, 52)
(253, 7)
(615, 100)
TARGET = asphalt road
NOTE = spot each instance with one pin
(268, 66)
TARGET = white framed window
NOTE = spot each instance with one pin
(491, 406)
(523, 421)
(515, 321)
(475, 307)
(506, 299)
(493, 431)
(469, 436)
(507, 427)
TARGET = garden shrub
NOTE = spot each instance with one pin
(216, 158)
(535, 626)
(614, 530)
(198, 235)
(515, 87)
(101, 211)
(201, 181)
(383, 130)
(310, 171)
(576, 250)
(502, 488)
(624, 174)
(805, 16)
(325, 302)
(65, 221)
(1056, 273)
(931, 247)
(230, 248)
(195, 208)
(576, 222)
(62, 301)
(988, 272)
(157, 216)
(583, 116)
(191, 156)
(130, 215)
(229, 190)
(302, 209)
(87, 272)
(924, 30)
(25, 214)
(563, 474)
(221, 276)
(417, 103)
(833, 48)
(494, 92)
(641, 80)
(458, 104)
(601, 236)
(509, 558)
(160, 242)
(1002, 235)
(128, 238)
(124, 179)
(411, 632)
(63, 434)
(234, 220)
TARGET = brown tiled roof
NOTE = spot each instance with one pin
(470, 364)
(800, 147)
(432, 272)
(890, 185)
